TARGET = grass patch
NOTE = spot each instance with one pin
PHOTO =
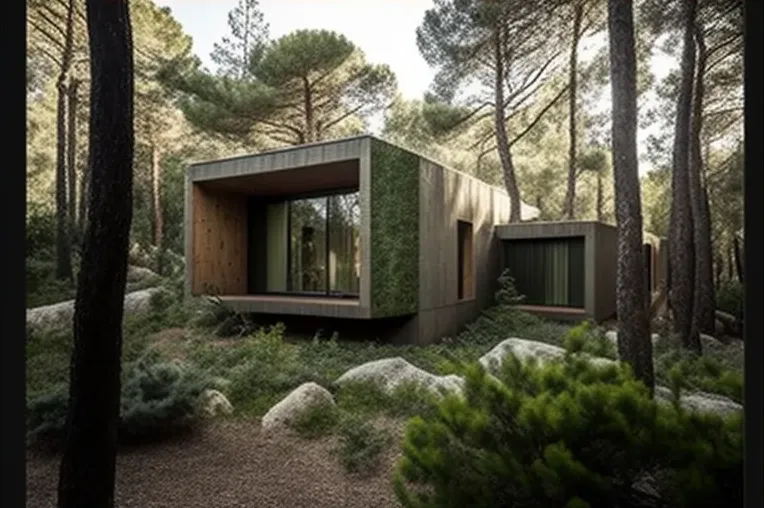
(317, 421)
(369, 399)
(361, 444)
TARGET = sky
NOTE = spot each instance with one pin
(384, 29)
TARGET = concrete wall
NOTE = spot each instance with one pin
(448, 196)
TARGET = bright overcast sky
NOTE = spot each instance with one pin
(384, 29)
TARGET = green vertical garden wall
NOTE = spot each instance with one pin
(394, 230)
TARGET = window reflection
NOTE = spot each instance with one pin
(308, 245)
(344, 233)
(324, 236)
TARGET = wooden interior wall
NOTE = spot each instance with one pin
(219, 242)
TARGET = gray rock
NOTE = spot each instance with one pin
(62, 313)
(524, 349)
(304, 397)
(139, 274)
(701, 402)
(390, 373)
(215, 403)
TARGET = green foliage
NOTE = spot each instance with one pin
(343, 87)
(361, 445)
(508, 293)
(693, 372)
(566, 434)
(729, 298)
(588, 338)
(369, 399)
(317, 421)
(235, 53)
(158, 398)
(394, 230)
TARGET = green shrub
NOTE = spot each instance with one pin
(566, 434)
(158, 398)
(316, 421)
(695, 372)
(590, 339)
(508, 293)
(361, 445)
(369, 399)
(729, 298)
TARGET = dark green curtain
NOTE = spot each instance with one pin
(548, 271)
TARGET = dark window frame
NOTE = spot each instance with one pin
(464, 229)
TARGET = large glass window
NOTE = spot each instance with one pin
(323, 245)
(548, 271)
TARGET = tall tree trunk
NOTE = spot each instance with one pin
(83, 203)
(730, 263)
(156, 187)
(63, 241)
(600, 198)
(71, 157)
(502, 142)
(738, 258)
(570, 195)
(682, 257)
(704, 302)
(634, 344)
(88, 465)
(308, 99)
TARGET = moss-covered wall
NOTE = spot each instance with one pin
(394, 230)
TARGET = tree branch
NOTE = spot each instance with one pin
(47, 35)
(342, 117)
(540, 114)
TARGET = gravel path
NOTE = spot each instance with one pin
(230, 464)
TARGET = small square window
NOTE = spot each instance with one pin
(465, 261)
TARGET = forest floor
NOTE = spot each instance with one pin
(233, 463)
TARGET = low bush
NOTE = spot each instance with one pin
(317, 421)
(158, 398)
(366, 398)
(567, 434)
(729, 298)
(361, 444)
(590, 339)
(694, 372)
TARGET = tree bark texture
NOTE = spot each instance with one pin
(63, 240)
(681, 236)
(502, 142)
(87, 470)
(704, 301)
(570, 195)
(71, 156)
(738, 258)
(634, 344)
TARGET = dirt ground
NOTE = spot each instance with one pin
(230, 464)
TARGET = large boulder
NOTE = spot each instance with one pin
(524, 349)
(305, 397)
(215, 403)
(140, 274)
(701, 402)
(390, 373)
(62, 313)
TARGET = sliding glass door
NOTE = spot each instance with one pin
(323, 246)
(548, 271)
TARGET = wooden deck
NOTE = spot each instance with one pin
(297, 305)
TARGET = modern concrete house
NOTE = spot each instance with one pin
(352, 229)
(360, 230)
